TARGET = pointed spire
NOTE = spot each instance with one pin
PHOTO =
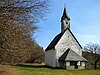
(65, 14)
(65, 21)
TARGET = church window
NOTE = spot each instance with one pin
(68, 37)
(66, 22)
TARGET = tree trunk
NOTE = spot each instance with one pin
(95, 64)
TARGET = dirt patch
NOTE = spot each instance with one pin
(8, 70)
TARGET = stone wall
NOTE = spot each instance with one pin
(66, 41)
(81, 67)
(70, 67)
(73, 67)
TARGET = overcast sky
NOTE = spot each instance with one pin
(85, 21)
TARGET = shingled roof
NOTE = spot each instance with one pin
(54, 42)
(65, 15)
(57, 38)
(70, 55)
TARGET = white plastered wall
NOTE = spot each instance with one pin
(50, 58)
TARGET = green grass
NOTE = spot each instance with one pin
(37, 69)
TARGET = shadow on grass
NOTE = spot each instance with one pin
(34, 66)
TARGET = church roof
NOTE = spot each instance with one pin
(54, 42)
(70, 55)
(65, 15)
(57, 38)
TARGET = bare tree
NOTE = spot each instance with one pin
(94, 50)
(23, 13)
(38, 55)
(17, 24)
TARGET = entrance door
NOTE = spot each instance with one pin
(76, 66)
(74, 63)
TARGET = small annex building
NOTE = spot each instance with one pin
(65, 51)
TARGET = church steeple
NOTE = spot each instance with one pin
(65, 21)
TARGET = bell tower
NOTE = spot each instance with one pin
(65, 21)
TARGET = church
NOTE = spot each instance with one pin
(65, 51)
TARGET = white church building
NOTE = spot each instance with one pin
(65, 51)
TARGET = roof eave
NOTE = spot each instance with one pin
(50, 49)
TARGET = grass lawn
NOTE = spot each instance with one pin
(37, 69)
